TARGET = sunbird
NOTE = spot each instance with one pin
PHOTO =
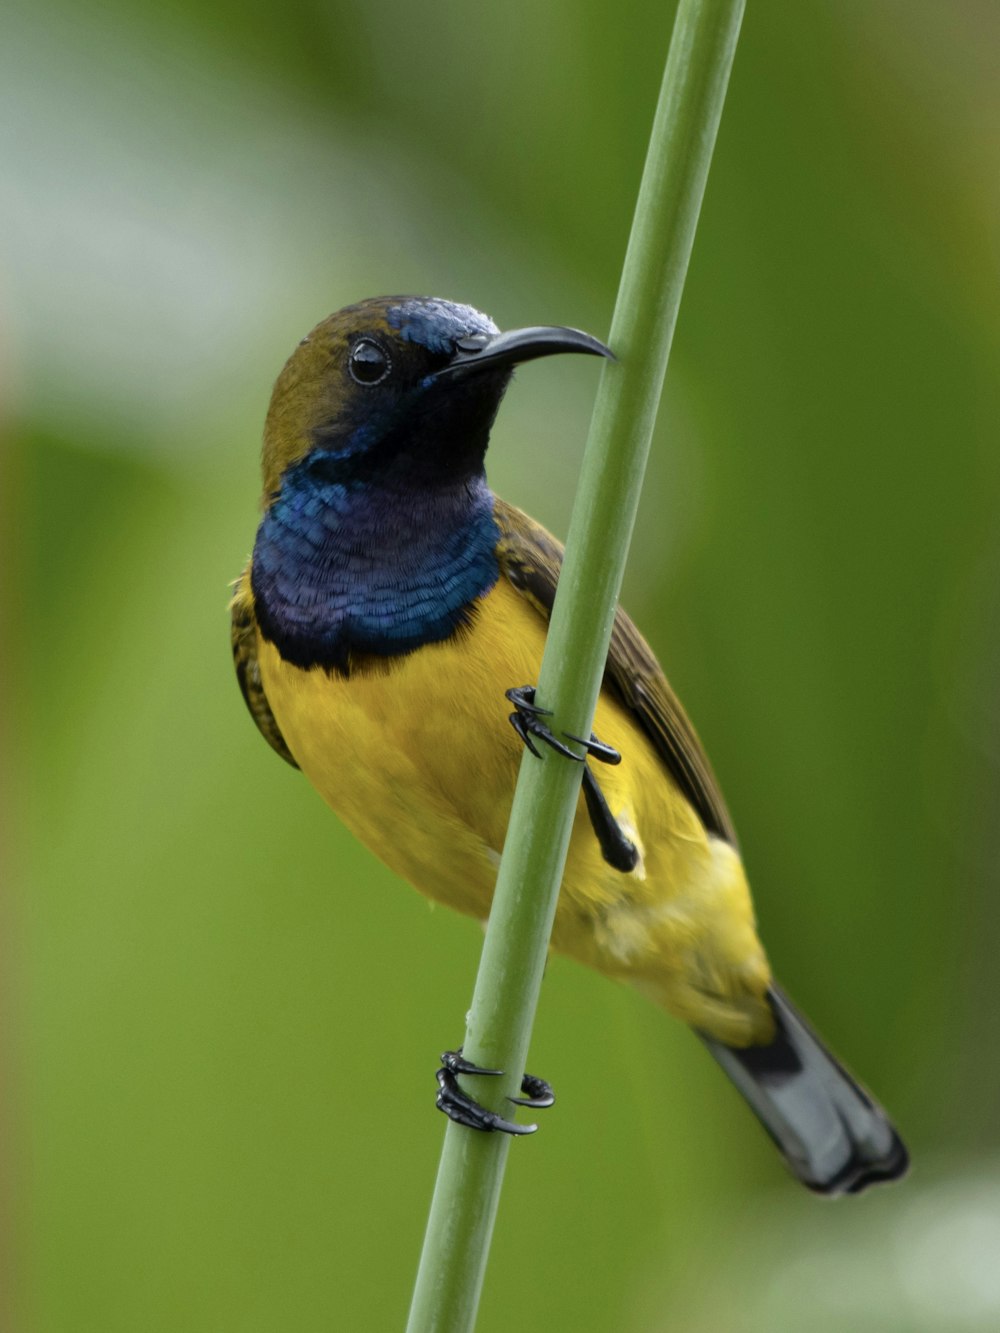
(394, 609)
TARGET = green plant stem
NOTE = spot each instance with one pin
(463, 1210)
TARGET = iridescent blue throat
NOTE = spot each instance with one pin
(343, 570)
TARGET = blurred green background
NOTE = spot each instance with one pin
(224, 1014)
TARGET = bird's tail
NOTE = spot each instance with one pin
(834, 1137)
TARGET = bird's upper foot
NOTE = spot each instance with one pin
(526, 720)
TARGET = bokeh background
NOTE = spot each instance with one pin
(223, 1015)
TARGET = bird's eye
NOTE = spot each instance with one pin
(369, 363)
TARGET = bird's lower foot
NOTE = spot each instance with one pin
(465, 1110)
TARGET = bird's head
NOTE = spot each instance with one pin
(400, 387)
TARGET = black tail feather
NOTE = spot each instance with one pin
(834, 1137)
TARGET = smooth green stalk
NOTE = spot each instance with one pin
(463, 1210)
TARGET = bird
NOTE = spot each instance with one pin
(392, 611)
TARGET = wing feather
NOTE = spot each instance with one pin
(244, 639)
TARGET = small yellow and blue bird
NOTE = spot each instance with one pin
(391, 612)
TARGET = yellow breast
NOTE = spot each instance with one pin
(420, 762)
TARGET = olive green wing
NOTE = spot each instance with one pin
(244, 638)
(530, 558)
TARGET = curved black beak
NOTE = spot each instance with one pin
(481, 352)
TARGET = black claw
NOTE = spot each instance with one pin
(540, 1095)
(523, 699)
(526, 721)
(465, 1110)
(604, 754)
(456, 1063)
(518, 723)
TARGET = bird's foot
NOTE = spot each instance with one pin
(464, 1110)
(526, 720)
(616, 848)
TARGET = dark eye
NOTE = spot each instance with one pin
(369, 363)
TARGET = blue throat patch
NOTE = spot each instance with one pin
(343, 571)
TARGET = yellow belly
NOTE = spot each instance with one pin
(420, 762)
